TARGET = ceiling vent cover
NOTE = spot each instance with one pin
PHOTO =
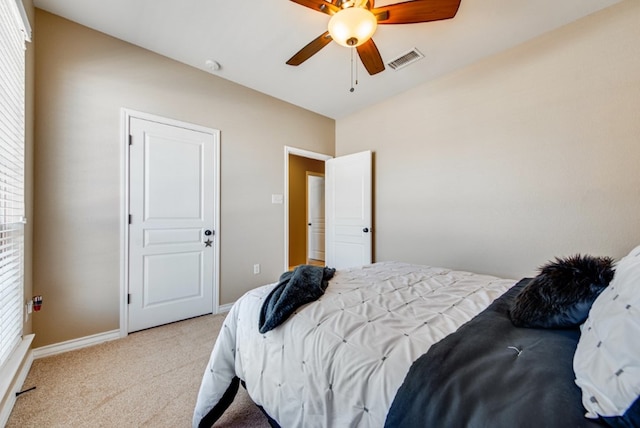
(405, 59)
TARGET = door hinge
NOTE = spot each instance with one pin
(130, 218)
(130, 139)
(129, 299)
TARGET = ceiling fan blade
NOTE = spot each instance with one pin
(382, 15)
(410, 12)
(319, 5)
(370, 57)
(311, 49)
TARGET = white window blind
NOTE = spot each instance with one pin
(14, 31)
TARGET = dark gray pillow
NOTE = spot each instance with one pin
(562, 294)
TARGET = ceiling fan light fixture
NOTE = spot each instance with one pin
(352, 26)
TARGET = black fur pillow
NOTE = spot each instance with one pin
(562, 294)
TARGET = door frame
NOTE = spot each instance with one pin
(288, 150)
(126, 115)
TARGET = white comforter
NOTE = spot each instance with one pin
(338, 362)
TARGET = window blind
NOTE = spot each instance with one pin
(13, 34)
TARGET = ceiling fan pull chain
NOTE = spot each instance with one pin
(354, 66)
(351, 70)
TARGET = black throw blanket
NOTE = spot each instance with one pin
(492, 374)
(296, 288)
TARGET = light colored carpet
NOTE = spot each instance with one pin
(150, 378)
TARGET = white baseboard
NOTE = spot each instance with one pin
(72, 345)
(20, 365)
(224, 308)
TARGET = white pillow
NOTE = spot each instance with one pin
(607, 359)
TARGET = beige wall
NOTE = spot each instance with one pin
(298, 168)
(83, 79)
(531, 154)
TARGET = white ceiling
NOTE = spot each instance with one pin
(252, 40)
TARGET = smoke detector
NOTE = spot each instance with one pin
(212, 65)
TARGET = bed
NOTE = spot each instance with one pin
(396, 344)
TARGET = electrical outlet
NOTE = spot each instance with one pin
(256, 268)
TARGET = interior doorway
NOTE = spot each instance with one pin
(298, 164)
(348, 209)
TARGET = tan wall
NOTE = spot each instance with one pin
(501, 166)
(298, 167)
(83, 79)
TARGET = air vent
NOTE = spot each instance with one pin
(405, 59)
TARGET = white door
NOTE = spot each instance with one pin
(315, 217)
(348, 210)
(171, 235)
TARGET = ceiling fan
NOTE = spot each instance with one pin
(353, 22)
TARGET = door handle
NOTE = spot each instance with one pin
(365, 230)
(208, 242)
